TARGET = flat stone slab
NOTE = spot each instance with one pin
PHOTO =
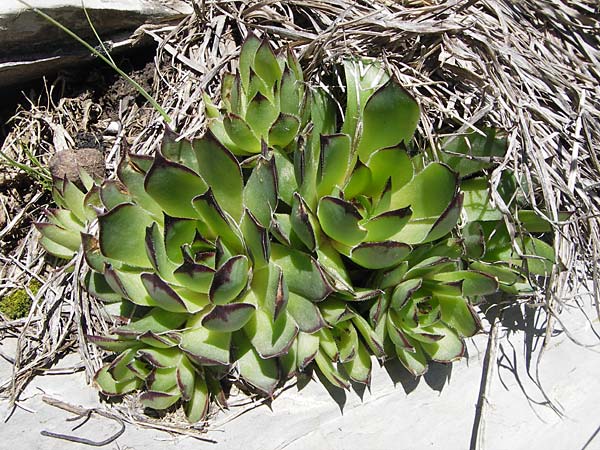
(396, 412)
(32, 46)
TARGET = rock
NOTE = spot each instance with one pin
(32, 46)
(67, 163)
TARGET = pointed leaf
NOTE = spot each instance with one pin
(196, 408)
(340, 220)
(229, 280)
(163, 295)
(390, 116)
(227, 318)
(387, 225)
(260, 192)
(305, 313)
(301, 272)
(173, 186)
(284, 130)
(219, 168)
(159, 400)
(379, 255)
(240, 133)
(334, 162)
(205, 346)
(271, 338)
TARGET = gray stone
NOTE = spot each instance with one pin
(32, 46)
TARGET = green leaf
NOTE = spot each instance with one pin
(430, 266)
(335, 310)
(240, 133)
(450, 348)
(390, 116)
(265, 64)
(205, 346)
(478, 151)
(162, 380)
(287, 184)
(164, 358)
(270, 290)
(178, 150)
(157, 321)
(474, 240)
(159, 400)
(247, 55)
(340, 220)
(186, 377)
(428, 194)
(122, 232)
(96, 284)
(305, 313)
(369, 335)
(404, 291)
(459, 314)
(391, 163)
(261, 373)
(477, 204)
(301, 272)
(220, 223)
(256, 239)
(173, 186)
(157, 253)
(303, 222)
(219, 168)
(290, 93)
(129, 285)
(284, 130)
(66, 238)
(308, 346)
(359, 181)
(227, 318)
(359, 367)
(196, 408)
(260, 192)
(387, 225)
(414, 361)
(113, 344)
(178, 232)
(270, 337)
(334, 163)
(195, 277)
(474, 283)
(111, 387)
(229, 280)
(330, 372)
(261, 115)
(379, 255)
(447, 220)
(162, 294)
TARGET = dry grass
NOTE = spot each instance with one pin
(530, 68)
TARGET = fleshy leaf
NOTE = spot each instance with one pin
(219, 168)
(227, 318)
(122, 232)
(334, 162)
(205, 346)
(229, 280)
(270, 337)
(260, 373)
(379, 255)
(111, 387)
(301, 272)
(260, 191)
(340, 220)
(305, 313)
(173, 186)
(197, 407)
(390, 116)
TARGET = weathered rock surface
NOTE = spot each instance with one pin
(31, 46)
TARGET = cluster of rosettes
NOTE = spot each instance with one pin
(280, 239)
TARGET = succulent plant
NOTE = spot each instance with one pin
(280, 239)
